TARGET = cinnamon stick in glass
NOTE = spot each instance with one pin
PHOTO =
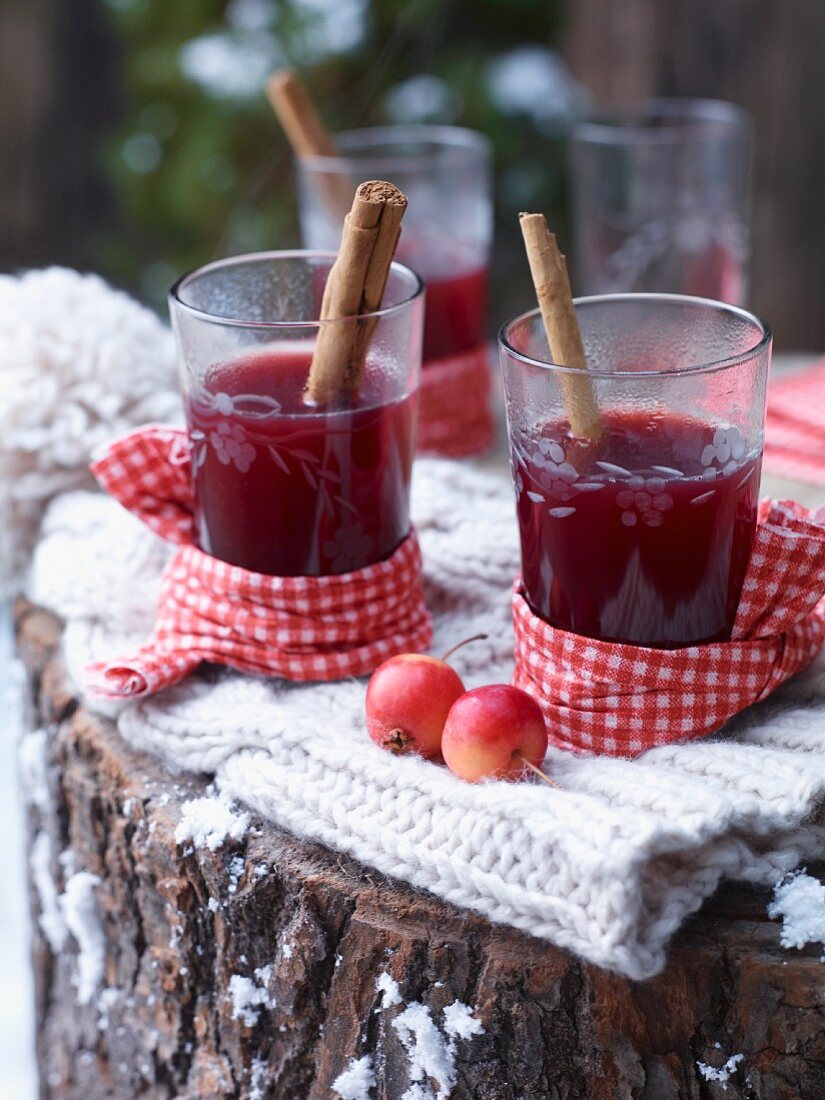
(355, 286)
(307, 134)
(552, 284)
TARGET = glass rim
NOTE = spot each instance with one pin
(174, 299)
(631, 123)
(455, 144)
(712, 367)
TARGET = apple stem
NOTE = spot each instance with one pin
(475, 638)
(537, 771)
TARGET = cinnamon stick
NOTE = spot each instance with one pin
(552, 284)
(303, 127)
(308, 136)
(355, 286)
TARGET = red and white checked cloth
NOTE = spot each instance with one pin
(795, 425)
(455, 418)
(297, 628)
(620, 700)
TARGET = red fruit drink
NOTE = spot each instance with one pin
(643, 537)
(454, 319)
(290, 490)
(456, 307)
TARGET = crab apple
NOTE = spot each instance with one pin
(408, 699)
(494, 732)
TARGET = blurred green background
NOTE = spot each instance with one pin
(135, 138)
(199, 166)
(194, 164)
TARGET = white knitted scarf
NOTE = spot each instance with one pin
(607, 867)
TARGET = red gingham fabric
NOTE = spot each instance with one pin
(455, 418)
(298, 628)
(620, 700)
(795, 425)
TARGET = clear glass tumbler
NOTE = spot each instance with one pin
(445, 172)
(282, 486)
(642, 535)
(661, 199)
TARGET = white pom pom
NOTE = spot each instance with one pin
(79, 363)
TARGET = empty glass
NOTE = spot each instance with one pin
(661, 195)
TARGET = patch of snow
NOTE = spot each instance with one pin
(720, 1075)
(248, 996)
(257, 1075)
(82, 915)
(212, 905)
(419, 1092)
(236, 869)
(387, 985)
(105, 1002)
(356, 1081)
(800, 900)
(429, 1053)
(51, 918)
(287, 951)
(68, 862)
(459, 1021)
(31, 764)
(210, 822)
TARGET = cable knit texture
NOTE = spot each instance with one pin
(79, 362)
(608, 867)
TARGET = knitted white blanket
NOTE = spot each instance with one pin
(608, 867)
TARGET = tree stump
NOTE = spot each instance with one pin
(179, 924)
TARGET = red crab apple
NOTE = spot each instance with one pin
(494, 732)
(408, 700)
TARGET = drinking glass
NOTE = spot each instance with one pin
(283, 486)
(661, 195)
(445, 171)
(642, 535)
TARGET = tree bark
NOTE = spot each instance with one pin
(328, 927)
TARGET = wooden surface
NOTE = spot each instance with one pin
(767, 56)
(59, 90)
(554, 1028)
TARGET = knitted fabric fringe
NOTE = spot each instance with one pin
(608, 867)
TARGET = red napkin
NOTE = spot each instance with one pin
(298, 628)
(620, 700)
(455, 417)
(795, 425)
